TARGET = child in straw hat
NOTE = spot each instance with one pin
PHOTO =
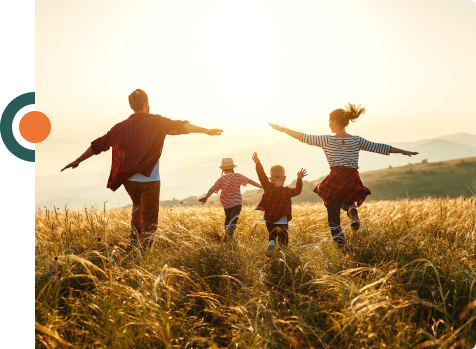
(229, 184)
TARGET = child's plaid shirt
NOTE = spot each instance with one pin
(137, 144)
(276, 201)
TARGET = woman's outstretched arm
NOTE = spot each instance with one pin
(401, 151)
(292, 133)
(381, 148)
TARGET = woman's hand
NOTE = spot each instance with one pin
(401, 151)
(277, 127)
(73, 165)
(255, 158)
(213, 132)
(289, 132)
(409, 153)
(301, 174)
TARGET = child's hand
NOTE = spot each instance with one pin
(255, 158)
(301, 174)
(203, 200)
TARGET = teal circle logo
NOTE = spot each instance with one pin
(6, 123)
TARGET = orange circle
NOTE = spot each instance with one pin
(35, 127)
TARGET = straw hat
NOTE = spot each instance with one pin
(227, 164)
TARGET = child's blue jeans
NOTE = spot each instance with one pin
(231, 219)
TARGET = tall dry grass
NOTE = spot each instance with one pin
(409, 280)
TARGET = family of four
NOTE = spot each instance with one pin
(137, 144)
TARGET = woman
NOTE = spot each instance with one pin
(342, 188)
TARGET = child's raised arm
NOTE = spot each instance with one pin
(297, 190)
(261, 174)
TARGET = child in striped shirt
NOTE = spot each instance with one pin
(342, 188)
(229, 184)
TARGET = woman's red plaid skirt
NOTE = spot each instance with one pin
(343, 184)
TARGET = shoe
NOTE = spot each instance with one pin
(227, 239)
(271, 247)
(134, 238)
(354, 218)
(342, 249)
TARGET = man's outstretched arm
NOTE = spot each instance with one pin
(197, 129)
(86, 155)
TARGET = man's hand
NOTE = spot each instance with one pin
(74, 164)
(276, 127)
(203, 200)
(409, 153)
(213, 132)
(86, 155)
(301, 174)
(255, 158)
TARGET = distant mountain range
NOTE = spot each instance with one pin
(451, 178)
(191, 176)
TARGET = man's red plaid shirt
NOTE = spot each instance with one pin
(342, 184)
(137, 144)
(276, 201)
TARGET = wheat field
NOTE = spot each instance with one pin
(406, 280)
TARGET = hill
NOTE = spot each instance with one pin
(451, 178)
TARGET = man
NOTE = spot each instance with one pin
(137, 144)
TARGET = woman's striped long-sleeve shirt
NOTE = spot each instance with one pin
(344, 151)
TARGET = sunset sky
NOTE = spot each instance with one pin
(238, 65)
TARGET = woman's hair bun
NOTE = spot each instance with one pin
(352, 111)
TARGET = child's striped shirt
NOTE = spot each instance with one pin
(344, 151)
(229, 185)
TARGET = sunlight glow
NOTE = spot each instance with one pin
(238, 65)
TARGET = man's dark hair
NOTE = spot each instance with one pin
(138, 99)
